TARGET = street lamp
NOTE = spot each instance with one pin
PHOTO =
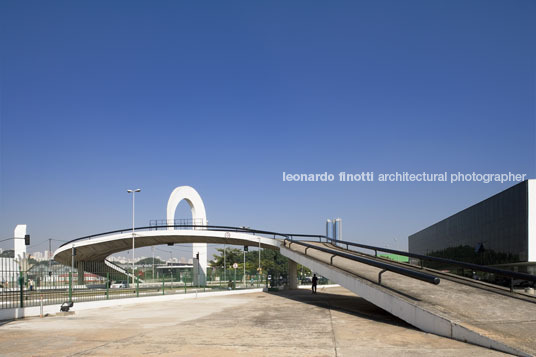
(133, 195)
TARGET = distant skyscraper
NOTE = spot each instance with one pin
(329, 228)
(337, 229)
(334, 228)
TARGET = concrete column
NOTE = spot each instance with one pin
(292, 274)
(201, 249)
(80, 269)
(18, 243)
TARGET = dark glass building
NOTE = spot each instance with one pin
(500, 230)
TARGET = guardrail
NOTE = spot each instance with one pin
(475, 267)
(194, 226)
(429, 278)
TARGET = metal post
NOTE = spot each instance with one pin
(163, 282)
(49, 252)
(107, 286)
(71, 286)
(224, 263)
(244, 276)
(153, 261)
(21, 288)
(137, 287)
(259, 268)
(133, 238)
(71, 274)
(72, 259)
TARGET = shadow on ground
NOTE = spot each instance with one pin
(345, 302)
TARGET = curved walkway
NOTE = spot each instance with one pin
(99, 247)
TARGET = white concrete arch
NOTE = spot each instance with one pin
(190, 195)
(199, 217)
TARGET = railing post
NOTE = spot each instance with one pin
(21, 288)
(380, 276)
(107, 286)
(511, 285)
(137, 287)
(163, 282)
(70, 286)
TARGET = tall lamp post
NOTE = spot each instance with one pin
(133, 195)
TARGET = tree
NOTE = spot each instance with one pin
(149, 261)
(272, 262)
(232, 255)
(10, 253)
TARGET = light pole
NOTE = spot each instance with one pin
(133, 195)
(153, 260)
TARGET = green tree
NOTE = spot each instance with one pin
(10, 253)
(232, 255)
(272, 262)
(149, 261)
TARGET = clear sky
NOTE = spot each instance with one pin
(97, 97)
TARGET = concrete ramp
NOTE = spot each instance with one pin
(120, 270)
(451, 309)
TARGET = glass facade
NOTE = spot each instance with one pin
(493, 231)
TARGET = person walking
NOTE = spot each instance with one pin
(315, 281)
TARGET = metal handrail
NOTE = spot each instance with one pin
(203, 227)
(476, 267)
(429, 278)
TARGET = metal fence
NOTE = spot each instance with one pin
(23, 284)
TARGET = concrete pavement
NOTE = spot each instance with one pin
(333, 322)
(449, 309)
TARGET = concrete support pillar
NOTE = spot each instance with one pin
(201, 249)
(80, 269)
(292, 274)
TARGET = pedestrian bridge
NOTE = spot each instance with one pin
(99, 247)
(433, 301)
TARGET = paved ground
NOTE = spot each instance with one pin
(333, 322)
(508, 320)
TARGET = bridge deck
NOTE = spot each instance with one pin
(506, 320)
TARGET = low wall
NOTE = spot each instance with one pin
(17, 313)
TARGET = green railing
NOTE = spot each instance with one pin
(48, 283)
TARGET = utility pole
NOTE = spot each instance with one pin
(224, 263)
(49, 253)
(259, 268)
(133, 247)
(73, 252)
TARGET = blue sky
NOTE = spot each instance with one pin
(97, 97)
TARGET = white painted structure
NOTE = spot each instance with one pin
(100, 247)
(18, 242)
(199, 217)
